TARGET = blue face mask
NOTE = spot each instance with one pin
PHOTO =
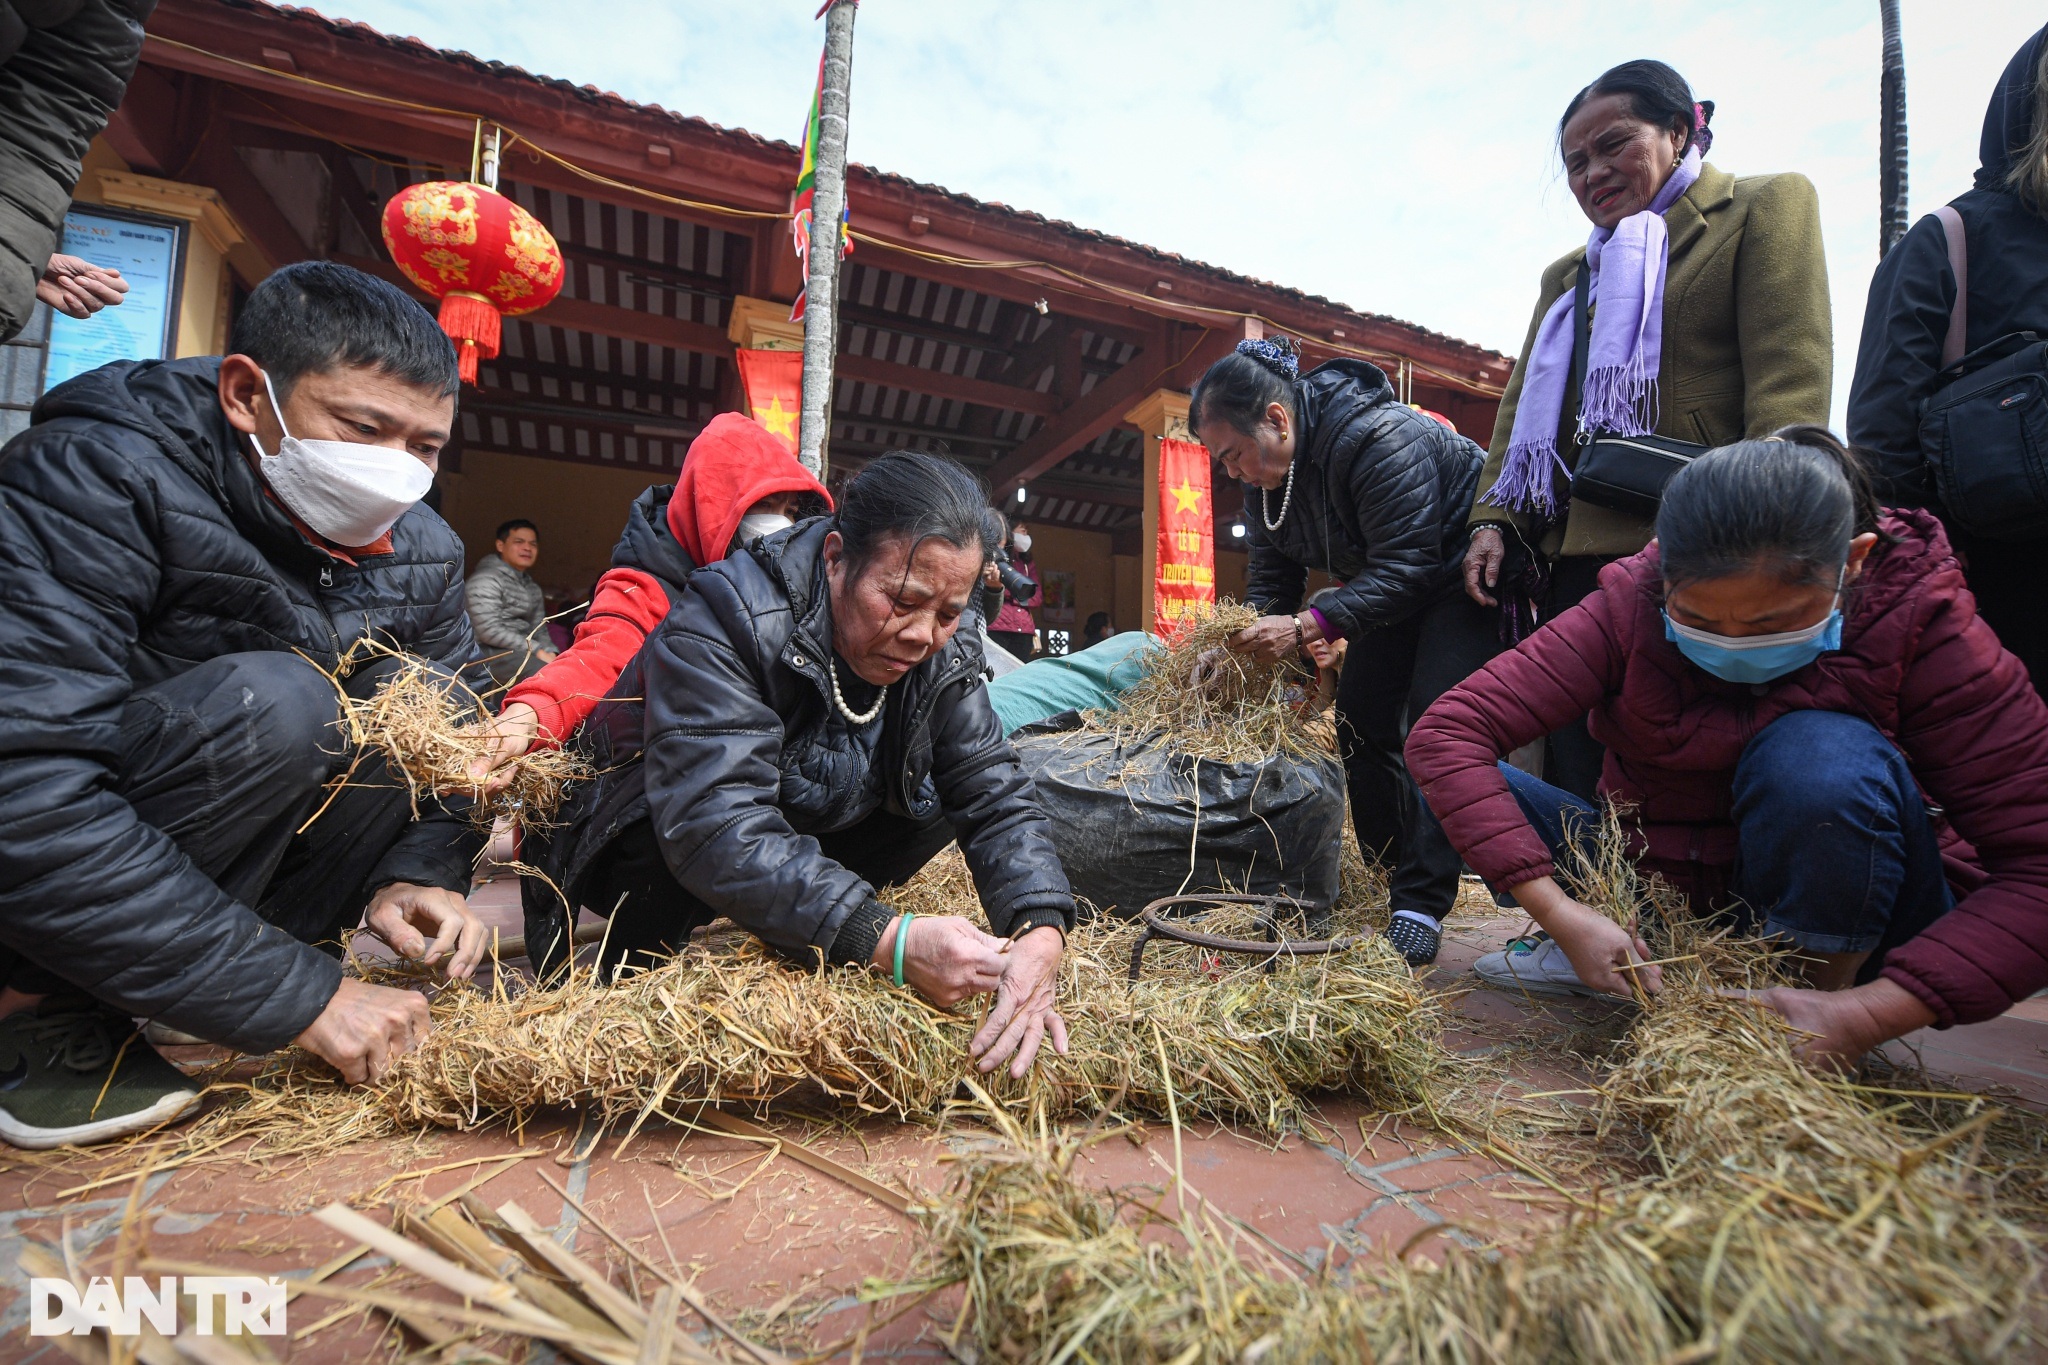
(1758, 658)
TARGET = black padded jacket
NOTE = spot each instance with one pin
(64, 65)
(1380, 501)
(1913, 293)
(136, 542)
(737, 754)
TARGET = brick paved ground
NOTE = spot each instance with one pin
(785, 1249)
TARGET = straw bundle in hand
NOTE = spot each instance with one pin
(438, 737)
(1205, 701)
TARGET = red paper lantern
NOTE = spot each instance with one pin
(482, 255)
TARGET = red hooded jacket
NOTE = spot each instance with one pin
(733, 464)
(1916, 662)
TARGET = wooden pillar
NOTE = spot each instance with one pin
(756, 325)
(203, 297)
(763, 325)
(1162, 416)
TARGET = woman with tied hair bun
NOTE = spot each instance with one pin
(1809, 732)
(807, 727)
(1709, 323)
(1341, 477)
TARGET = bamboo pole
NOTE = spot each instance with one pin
(828, 204)
(1891, 154)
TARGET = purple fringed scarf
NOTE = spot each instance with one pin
(1627, 262)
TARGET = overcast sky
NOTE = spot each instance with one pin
(1395, 156)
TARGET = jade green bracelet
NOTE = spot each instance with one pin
(902, 936)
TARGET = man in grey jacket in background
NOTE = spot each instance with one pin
(507, 610)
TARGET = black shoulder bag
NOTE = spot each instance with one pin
(1984, 432)
(1622, 473)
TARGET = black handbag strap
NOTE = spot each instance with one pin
(1582, 330)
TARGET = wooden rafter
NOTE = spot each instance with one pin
(646, 385)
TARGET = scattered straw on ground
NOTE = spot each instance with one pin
(1788, 1217)
(1214, 704)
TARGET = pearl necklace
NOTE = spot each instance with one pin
(1286, 498)
(853, 717)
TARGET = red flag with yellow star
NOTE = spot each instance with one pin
(774, 384)
(1184, 584)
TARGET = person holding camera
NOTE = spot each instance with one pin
(1014, 627)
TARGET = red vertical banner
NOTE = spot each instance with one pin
(774, 384)
(1184, 583)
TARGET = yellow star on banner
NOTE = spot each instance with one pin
(1186, 498)
(779, 420)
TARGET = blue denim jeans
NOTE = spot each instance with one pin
(1835, 849)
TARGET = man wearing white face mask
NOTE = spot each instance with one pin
(187, 550)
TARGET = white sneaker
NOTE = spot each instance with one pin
(163, 1035)
(1535, 964)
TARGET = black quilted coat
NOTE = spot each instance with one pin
(63, 67)
(1381, 496)
(136, 542)
(737, 754)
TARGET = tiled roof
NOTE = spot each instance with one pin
(358, 32)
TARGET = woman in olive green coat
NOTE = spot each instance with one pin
(1746, 343)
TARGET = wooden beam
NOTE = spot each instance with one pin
(143, 129)
(628, 324)
(1108, 317)
(1101, 408)
(1069, 366)
(356, 201)
(1052, 486)
(1209, 348)
(604, 319)
(214, 163)
(1027, 361)
(924, 329)
(916, 379)
(566, 412)
(614, 379)
(599, 319)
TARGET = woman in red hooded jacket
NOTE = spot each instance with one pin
(737, 482)
(1808, 728)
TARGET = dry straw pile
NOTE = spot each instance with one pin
(1210, 703)
(1784, 1217)
(435, 735)
(727, 1023)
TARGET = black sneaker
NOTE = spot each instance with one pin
(1416, 935)
(74, 1071)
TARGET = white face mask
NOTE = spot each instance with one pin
(1022, 540)
(754, 525)
(347, 492)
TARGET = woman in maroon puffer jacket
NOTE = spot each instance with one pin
(1812, 731)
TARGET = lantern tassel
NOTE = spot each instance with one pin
(476, 327)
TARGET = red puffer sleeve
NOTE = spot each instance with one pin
(627, 605)
(1976, 735)
(1559, 673)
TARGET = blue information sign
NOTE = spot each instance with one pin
(145, 251)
